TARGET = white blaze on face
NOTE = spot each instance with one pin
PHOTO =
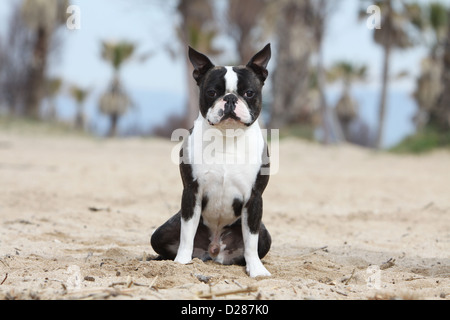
(231, 80)
(215, 113)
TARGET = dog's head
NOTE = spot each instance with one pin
(230, 97)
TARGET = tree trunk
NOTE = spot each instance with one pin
(322, 99)
(34, 88)
(383, 101)
(244, 18)
(185, 33)
(79, 119)
(114, 118)
(442, 114)
(290, 87)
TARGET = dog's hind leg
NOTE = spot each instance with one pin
(233, 249)
(166, 240)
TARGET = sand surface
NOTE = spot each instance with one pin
(76, 215)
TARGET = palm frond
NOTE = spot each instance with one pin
(117, 52)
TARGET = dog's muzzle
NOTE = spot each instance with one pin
(230, 107)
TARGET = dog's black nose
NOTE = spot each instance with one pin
(230, 98)
(230, 105)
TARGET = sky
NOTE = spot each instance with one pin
(150, 24)
(144, 24)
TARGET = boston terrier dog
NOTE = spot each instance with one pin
(224, 165)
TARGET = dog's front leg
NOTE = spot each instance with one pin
(251, 223)
(191, 210)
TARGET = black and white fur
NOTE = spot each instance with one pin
(221, 207)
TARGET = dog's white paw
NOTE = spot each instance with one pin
(256, 269)
(183, 258)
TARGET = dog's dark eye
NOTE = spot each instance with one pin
(211, 93)
(249, 94)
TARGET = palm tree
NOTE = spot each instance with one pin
(321, 11)
(442, 113)
(428, 90)
(243, 18)
(198, 30)
(346, 107)
(115, 102)
(79, 95)
(291, 23)
(436, 19)
(430, 82)
(300, 27)
(42, 17)
(53, 86)
(396, 22)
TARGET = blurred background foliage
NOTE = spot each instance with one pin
(296, 97)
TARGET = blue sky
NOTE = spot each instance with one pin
(142, 23)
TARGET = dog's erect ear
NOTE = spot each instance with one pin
(260, 61)
(201, 64)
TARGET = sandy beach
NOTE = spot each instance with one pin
(77, 213)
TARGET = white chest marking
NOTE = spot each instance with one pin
(227, 169)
